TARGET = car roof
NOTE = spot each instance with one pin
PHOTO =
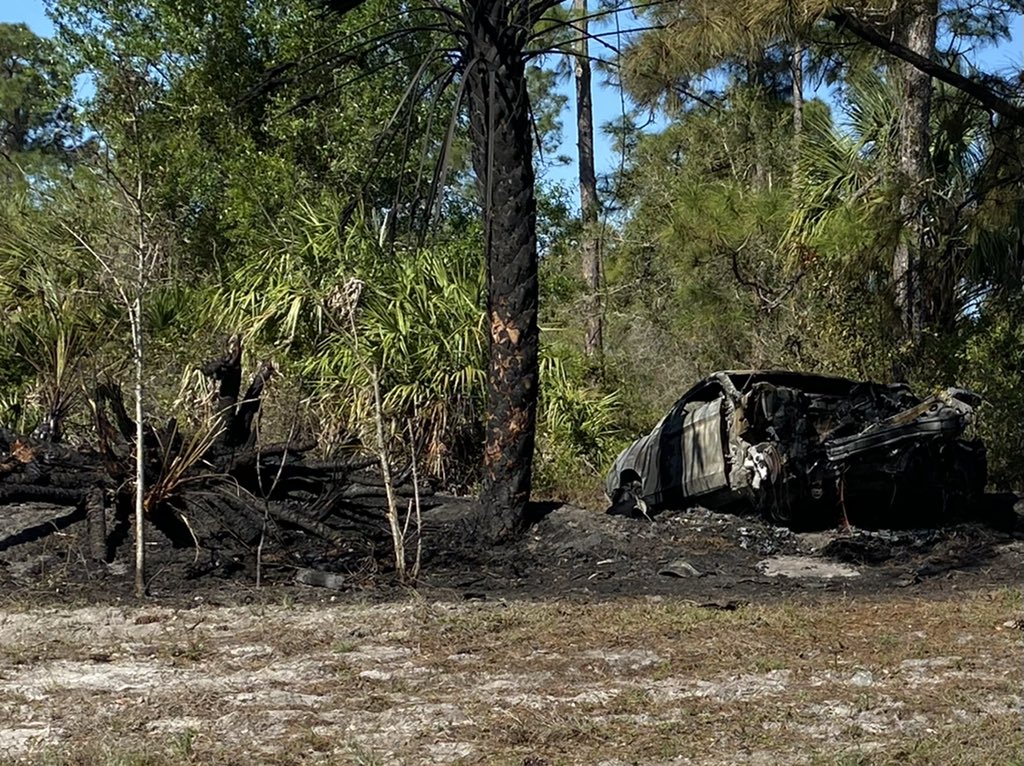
(818, 383)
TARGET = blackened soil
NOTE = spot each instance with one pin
(724, 560)
(718, 560)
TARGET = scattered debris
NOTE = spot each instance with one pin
(766, 541)
(680, 568)
(862, 678)
(859, 548)
(318, 579)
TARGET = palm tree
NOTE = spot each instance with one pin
(494, 36)
(965, 231)
(695, 38)
(488, 43)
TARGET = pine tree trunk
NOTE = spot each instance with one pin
(755, 69)
(503, 162)
(796, 66)
(797, 70)
(908, 268)
(593, 343)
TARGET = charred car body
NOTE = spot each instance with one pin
(809, 449)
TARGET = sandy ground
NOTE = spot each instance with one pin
(655, 680)
(698, 638)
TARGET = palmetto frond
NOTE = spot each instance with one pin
(418, 319)
(578, 422)
(53, 316)
(846, 171)
(849, 185)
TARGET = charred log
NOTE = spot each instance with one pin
(241, 425)
(229, 499)
(227, 370)
(41, 530)
(96, 516)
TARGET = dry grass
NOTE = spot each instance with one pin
(634, 681)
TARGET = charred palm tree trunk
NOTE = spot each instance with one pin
(491, 37)
(503, 162)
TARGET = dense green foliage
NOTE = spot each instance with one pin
(739, 236)
(754, 240)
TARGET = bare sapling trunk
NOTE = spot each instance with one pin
(397, 538)
(353, 289)
(140, 457)
(143, 261)
(590, 245)
(414, 511)
(114, 265)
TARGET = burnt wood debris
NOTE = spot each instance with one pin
(221, 492)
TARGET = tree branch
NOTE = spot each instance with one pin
(980, 92)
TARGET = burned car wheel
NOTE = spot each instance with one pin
(805, 450)
(628, 500)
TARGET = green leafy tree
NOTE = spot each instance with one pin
(250, 119)
(39, 141)
(694, 40)
(37, 125)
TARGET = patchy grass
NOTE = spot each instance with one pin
(652, 681)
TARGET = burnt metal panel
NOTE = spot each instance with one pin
(641, 458)
(704, 467)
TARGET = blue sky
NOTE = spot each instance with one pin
(30, 12)
(607, 101)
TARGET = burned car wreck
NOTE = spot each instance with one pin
(808, 450)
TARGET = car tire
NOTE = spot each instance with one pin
(627, 500)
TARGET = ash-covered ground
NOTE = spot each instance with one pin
(707, 557)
